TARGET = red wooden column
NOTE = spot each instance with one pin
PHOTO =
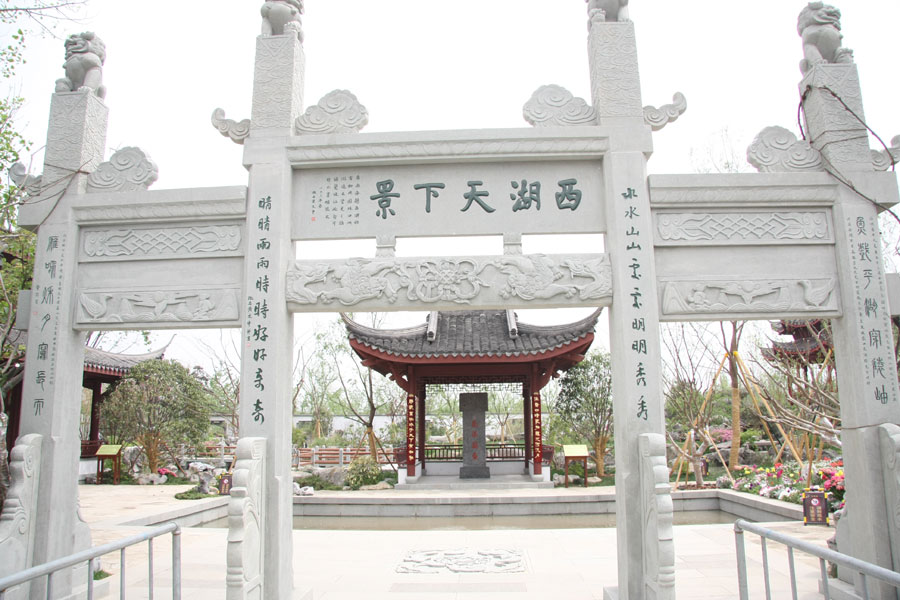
(526, 411)
(537, 438)
(410, 435)
(96, 393)
(421, 428)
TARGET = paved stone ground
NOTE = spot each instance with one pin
(570, 564)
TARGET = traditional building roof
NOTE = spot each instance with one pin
(474, 334)
(112, 363)
(811, 340)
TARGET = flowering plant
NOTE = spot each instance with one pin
(787, 482)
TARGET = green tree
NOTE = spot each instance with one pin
(317, 394)
(159, 405)
(585, 403)
(363, 394)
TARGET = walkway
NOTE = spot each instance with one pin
(574, 564)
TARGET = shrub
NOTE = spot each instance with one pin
(750, 436)
(316, 483)
(363, 471)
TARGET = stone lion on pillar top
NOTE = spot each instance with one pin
(85, 55)
(279, 15)
(608, 10)
(819, 26)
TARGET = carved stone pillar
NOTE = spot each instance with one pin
(277, 85)
(54, 360)
(615, 81)
(866, 368)
(634, 348)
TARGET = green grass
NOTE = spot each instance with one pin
(193, 495)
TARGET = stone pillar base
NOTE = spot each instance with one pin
(474, 472)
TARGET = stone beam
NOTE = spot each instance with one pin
(472, 282)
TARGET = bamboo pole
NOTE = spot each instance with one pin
(680, 459)
(746, 376)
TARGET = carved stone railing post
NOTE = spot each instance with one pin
(245, 512)
(18, 517)
(890, 464)
(656, 506)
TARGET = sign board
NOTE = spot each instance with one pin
(575, 450)
(108, 451)
(224, 484)
(815, 507)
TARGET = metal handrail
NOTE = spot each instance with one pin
(865, 569)
(91, 553)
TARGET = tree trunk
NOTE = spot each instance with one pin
(600, 455)
(373, 446)
(151, 450)
(734, 455)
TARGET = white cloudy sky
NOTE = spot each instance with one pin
(424, 64)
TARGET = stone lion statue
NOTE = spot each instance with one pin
(280, 14)
(608, 10)
(85, 55)
(819, 26)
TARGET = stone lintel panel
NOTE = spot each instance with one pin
(472, 282)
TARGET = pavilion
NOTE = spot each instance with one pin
(100, 368)
(472, 347)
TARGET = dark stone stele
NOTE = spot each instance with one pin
(473, 407)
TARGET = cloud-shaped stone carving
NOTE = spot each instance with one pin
(128, 170)
(657, 118)
(238, 131)
(555, 106)
(338, 112)
(775, 149)
(884, 160)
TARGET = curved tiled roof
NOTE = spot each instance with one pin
(471, 333)
(112, 363)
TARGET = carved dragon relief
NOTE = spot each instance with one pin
(585, 279)
(750, 296)
(157, 307)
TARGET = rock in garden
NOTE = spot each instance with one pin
(307, 490)
(206, 478)
(156, 479)
(594, 480)
(143, 480)
(381, 485)
(198, 466)
(336, 475)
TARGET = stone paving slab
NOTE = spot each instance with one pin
(336, 565)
